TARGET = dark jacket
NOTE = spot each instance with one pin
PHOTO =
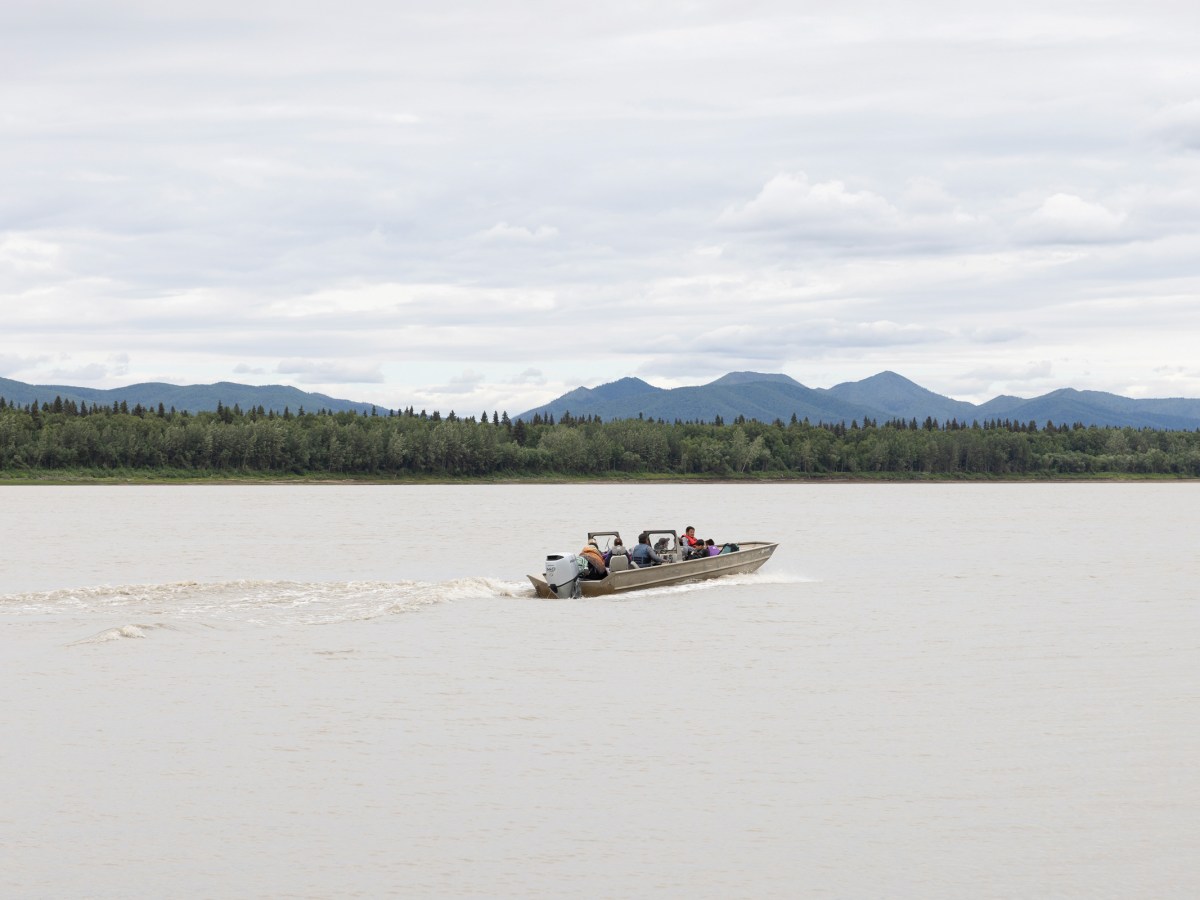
(643, 555)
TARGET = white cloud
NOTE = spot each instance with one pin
(1017, 372)
(790, 201)
(829, 212)
(1068, 219)
(1006, 377)
(923, 194)
(412, 303)
(309, 371)
(23, 254)
(502, 231)
(84, 373)
(871, 334)
(793, 339)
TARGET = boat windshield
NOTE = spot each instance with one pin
(605, 539)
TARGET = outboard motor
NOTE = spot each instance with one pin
(562, 575)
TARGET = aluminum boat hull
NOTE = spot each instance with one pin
(751, 555)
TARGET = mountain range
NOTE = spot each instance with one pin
(192, 397)
(881, 397)
(754, 395)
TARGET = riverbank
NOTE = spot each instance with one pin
(130, 477)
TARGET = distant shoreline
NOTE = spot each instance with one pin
(48, 479)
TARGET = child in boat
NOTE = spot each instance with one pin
(692, 545)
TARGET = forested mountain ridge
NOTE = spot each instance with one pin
(887, 395)
(895, 396)
(191, 398)
(764, 397)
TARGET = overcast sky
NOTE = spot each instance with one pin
(482, 205)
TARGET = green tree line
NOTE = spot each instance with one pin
(62, 436)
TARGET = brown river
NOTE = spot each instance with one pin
(930, 691)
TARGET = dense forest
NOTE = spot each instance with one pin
(67, 438)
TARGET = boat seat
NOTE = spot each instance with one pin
(618, 563)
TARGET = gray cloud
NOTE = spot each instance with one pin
(997, 334)
(86, 373)
(15, 363)
(529, 376)
(466, 383)
(1178, 123)
(73, 370)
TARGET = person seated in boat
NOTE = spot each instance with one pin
(595, 561)
(710, 548)
(618, 549)
(643, 554)
(692, 545)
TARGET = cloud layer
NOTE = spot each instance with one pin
(485, 204)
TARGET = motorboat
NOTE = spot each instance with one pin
(566, 573)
